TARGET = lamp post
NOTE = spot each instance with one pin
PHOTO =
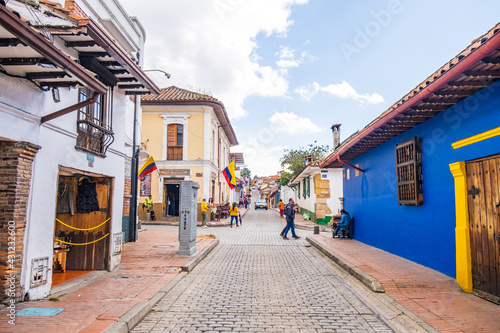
(133, 179)
(135, 167)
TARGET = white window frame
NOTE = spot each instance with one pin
(181, 119)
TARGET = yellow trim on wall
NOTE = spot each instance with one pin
(476, 138)
(462, 236)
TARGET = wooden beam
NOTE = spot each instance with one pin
(485, 73)
(81, 43)
(4, 42)
(24, 61)
(462, 93)
(482, 83)
(94, 54)
(130, 86)
(127, 79)
(59, 83)
(45, 75)
(490, 60)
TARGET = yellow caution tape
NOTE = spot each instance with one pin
(79, 228)
(58, 240)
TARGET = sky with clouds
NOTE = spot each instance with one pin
(286, 70)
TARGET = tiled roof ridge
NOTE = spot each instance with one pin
(475, 44)
(175, 94)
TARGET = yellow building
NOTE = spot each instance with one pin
(189, 136)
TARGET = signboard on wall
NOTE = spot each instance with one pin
(145, 186)
(175, 172)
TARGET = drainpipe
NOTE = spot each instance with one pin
(71, 108)
(352, 166)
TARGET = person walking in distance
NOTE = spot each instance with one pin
(281, 206)
(290, 220)
(204, 213)
(234, 211)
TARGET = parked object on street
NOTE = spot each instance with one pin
(261, 203)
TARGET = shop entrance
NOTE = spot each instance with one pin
(82, 226)
(171, 197)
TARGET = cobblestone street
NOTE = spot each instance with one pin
(254, 281)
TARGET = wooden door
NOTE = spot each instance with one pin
(483, 186)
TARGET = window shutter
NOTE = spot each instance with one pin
(171, 135)
(409, 173)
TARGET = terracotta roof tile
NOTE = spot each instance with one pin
(174, 94)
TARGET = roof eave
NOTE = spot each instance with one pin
(461, 66)
(15, 26)
(103, 40)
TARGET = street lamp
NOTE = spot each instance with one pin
(158, 70)
(135, 167)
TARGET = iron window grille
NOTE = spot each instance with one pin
(308, 186)
(409, 173)
(298, 189)
(94, 123)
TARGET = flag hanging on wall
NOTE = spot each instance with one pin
(230, 176)
(148, 167)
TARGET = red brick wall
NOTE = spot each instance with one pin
(16, 159)
(126, 197)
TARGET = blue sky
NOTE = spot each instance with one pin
(286, 70)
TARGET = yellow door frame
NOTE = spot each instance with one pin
(462, 234)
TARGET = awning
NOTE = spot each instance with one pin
(96, 60)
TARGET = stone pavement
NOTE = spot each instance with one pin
(432, 296)
(97, 300)
(255, 281)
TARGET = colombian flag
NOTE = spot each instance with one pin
(148, 167)
(228, 172)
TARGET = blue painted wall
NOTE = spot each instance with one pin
(423, 234)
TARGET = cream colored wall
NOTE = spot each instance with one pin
(152, 134)
(195, 137)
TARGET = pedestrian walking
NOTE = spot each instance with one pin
(290, 220)
(281, 206)
(246, 203)
(233, 212)
(204, 213)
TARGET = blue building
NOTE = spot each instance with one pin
(423, 179)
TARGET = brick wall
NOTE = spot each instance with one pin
(16, 159)
(126, 197)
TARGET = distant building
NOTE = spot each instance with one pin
(189, 136)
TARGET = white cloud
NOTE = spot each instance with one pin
(289, 122)
(211, 45)
(261, 160)
(288, 60)
(341, 90)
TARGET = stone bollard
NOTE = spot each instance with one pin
(316, 229)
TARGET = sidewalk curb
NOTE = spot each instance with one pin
(134, 316)
(372, 283)
(191, 264)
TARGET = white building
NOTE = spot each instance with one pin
(65, 134)
(318, 192)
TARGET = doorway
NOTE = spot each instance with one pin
(82, 225)
(171, 197)
(483, 196)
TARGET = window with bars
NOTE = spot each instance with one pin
(298, 190)
(308, 186)
(175, 141)
(94, 123)
(409, 173)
